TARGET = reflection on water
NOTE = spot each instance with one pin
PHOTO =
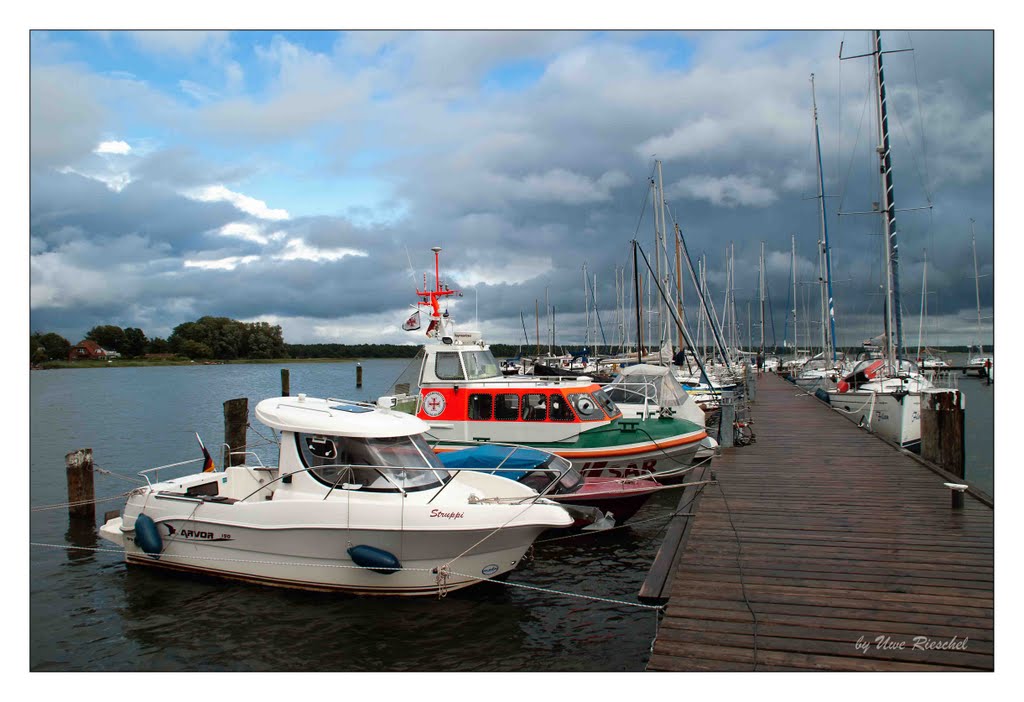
(82, 534)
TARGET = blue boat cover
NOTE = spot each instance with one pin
(518, 461)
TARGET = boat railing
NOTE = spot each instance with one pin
(145, 473)
(942, 378)
(228, 452)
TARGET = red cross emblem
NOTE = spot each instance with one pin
(433, 404)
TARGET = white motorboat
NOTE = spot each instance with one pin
(358, 503)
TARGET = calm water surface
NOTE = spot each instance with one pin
(89, 612)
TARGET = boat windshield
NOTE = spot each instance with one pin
(385, 464)
(606, 402)
(480, 365)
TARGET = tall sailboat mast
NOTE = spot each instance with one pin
(663, 322)
(796, 346)
(924, 304)
(638, 287)
(679, 293)
(889, 205)
(586, 305)
(977, 288)
(761, 284)
(655, 196)
(831, 331)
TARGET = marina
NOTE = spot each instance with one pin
(590, 585)
(309, 463)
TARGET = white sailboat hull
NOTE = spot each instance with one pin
(893, 416)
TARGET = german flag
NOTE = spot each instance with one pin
(208, 466)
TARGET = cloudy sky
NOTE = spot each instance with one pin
(292, 176)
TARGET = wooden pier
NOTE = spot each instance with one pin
(821, 547)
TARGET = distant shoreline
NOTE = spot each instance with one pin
(143, 363)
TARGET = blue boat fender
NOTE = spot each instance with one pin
(376, 559)
(147, 536)
(822, 395)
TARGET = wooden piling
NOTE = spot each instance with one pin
(285, 384)
(359, 376)
(942, 434)
(727, 420)
(81, 496)
(236, 419)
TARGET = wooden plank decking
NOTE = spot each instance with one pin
(850, 554)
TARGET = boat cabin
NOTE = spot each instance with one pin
(350, 446)
(461, 382)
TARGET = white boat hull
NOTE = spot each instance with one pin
(316, 558)
(895, 417)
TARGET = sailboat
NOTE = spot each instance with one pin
(884, 394)
(978, 362)
(927, 360)
(822, 371)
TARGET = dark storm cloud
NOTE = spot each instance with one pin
(522, 186)
(60, 200)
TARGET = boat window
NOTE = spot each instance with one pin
(331, 461)
(586, 406)
(447, 366)
(559, 410)
(480, 364)
(480, 406)
(374, 464)
(571, 478)
(506, 406)
(633, 392)
(606, 402)
(535, 407)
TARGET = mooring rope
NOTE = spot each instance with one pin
(78, 503)
(120, 476)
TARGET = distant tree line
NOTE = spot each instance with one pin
(217, 338)
(350, 351)
(221, 338)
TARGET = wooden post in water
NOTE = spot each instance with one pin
(236, 419)
(80, 485)
(285, 384)
(942, 434)
(359, 376)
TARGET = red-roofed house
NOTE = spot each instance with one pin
(87, 350)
